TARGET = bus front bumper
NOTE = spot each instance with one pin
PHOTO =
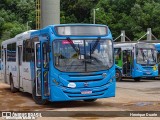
(146, 73)
(59, 93)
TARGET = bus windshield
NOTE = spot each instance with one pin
(82, 55)
(146, 55)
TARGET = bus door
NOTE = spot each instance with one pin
(127, 65)
(42, 68)
(20, 65)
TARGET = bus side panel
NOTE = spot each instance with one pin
(134, 68)
(26, 77)
(12, 70)
(7, 72)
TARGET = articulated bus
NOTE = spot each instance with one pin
(61, 63)
(135, 60)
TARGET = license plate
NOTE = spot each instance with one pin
(86, 92)
(148, 73)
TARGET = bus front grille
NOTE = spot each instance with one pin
(75, 93)
(84, 81)
(147, 68)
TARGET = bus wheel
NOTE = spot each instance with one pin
(13, 89)
(137, 79)
(118, 75)
(90, 100)
(38, 99)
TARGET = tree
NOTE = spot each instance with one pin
(14, 16)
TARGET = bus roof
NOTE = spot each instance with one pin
(119, 45)
(72, 33)
(128, 44)
(21, 36)
(80, 24)
(28, 34)
(152, 41)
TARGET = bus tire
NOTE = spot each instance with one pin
(118, 75)
(38, 99)
(137, 79)
(13, 89)
(90, 100)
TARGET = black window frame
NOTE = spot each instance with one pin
(11, 57)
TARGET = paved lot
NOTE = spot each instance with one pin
(130, 96)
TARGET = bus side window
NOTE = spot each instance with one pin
(38, 60)
(11, 52)
(24, 51)
(27, 51)
(45, 54)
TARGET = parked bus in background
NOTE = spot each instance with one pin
(157, 45)
(135, 60)
(61, 63)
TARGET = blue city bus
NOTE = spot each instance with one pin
(157, 45)
(63, 62)
(135, 60)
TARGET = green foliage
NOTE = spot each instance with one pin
(14, 15)
(77, 11)
(133, 16)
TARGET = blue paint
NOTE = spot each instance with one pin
(148, 68)
(94, 83)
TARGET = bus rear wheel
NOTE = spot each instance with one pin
(38, 99)
(137, 79)
(118, 75)
(90, 100)
(13, 89)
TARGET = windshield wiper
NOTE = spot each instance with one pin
(95, 45)
(73, 45)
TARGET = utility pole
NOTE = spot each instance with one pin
(28, 23)
(149, 34)
(123, 36)
(94, 15)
